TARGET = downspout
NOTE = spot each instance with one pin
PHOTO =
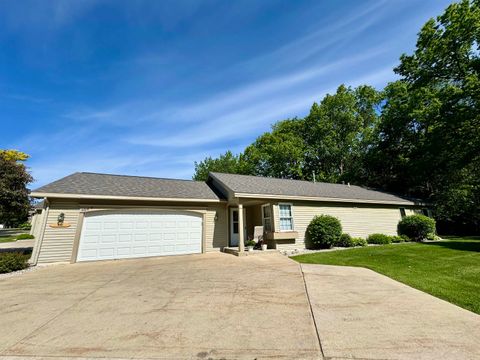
(38, 242)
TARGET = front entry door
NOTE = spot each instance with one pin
(234, 226)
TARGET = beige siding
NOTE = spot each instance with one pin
(57, 243)
(216, 230)
(253, 218)
(357, 220)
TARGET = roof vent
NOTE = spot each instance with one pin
(348, 184)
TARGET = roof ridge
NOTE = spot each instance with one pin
(297, 180)
(137, 176)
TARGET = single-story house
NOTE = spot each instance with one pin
(90, 216)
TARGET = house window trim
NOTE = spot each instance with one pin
(291, 216)
(272, 226)
(404, 213)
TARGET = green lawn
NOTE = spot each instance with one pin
(4, 239)
(449, 269)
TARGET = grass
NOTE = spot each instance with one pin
(4, 239)
(449, 269)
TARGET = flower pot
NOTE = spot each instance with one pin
(250, 248)
(264, 247)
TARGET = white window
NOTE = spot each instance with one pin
(286, 218)
(267, 217)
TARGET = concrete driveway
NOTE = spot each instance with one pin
(361, 314)
(218, 306)
(196, 306)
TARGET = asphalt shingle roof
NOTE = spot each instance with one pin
(285, 187)
(84, 183)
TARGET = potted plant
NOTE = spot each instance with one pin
(250, 244)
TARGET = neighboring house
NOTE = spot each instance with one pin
(90, 216)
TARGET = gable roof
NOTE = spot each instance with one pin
(248, 186)
(106, 186)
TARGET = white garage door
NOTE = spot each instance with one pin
(122, 235)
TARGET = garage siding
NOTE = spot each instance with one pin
(357, 220)
(57, 244)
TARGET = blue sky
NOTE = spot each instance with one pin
(148, 87)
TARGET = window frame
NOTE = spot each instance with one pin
(280, 217)
(403, 212)
(270, 218)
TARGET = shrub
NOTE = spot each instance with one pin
(12, 262)
(358, 241)
(345, 240)
(25, 226)
(324, 231)
(433, 236)
(416, 227)
(398, 239)
(25, 236)
(379, 239)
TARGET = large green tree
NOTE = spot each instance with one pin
(279, 153)
(14, 178)
(338, 131)
(430, 124)
(227, 163)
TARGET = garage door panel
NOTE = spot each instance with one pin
(139, 234)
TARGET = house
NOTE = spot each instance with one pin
(90, 216)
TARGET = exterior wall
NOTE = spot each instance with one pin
(253, 218)
(357, 220)
(216, 230)
(58, 243)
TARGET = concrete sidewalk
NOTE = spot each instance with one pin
(361, 314)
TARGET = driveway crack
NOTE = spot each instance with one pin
(311, 312)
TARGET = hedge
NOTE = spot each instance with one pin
(12, 262)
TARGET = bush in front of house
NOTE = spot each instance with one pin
(348, 241)
(323, 232)
(12, 262)
(399, 239)
(345, 240)
(358, 241)
(416, 227)
(433, 236)
(25, 236)
(379, 239)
